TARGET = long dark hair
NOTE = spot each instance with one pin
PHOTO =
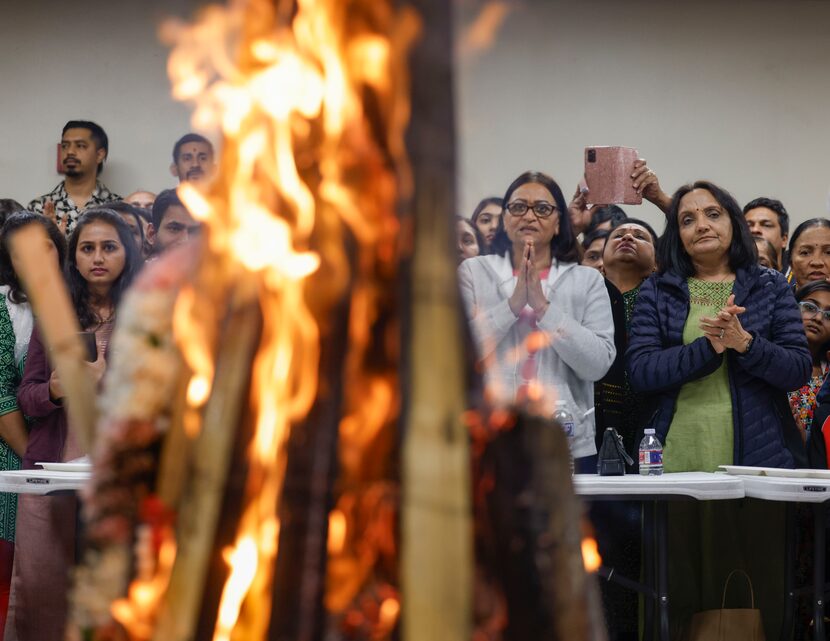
(14, 222)
(809, 288)
(672, 256)
(563, 246)
(486, 202)
(78, 287)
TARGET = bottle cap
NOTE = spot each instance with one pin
(650, 430)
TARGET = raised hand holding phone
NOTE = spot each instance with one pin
(646, 183)
(608, 175)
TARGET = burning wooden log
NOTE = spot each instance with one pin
(534, 535)
(210, 504)
(312, 100)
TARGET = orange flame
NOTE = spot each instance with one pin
(337, 531)
(135, 612)
(590, 554)
(288, 98)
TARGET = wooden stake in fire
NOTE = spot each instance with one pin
(58, 323)
(437, 558)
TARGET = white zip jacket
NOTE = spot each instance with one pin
(577, 325)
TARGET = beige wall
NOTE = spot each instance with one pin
(734, 91)
(98, 60)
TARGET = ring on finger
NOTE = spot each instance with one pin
(721, 334)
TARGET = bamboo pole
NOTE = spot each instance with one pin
(437, 536)
(177, 449)
(58, 323)
(204, 493)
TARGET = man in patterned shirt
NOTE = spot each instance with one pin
(84, 147)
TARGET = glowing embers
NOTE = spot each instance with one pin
(590, 554)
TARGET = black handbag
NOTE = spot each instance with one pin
(612, 457)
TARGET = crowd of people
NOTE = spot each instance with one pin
(714, 332)
(100, 241)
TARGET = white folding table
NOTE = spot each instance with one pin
(41, 482)
(816, 492)
(655, 492)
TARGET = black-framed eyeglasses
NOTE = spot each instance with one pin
(811, 310)
(540, 208)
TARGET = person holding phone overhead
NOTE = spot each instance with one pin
(644, 183)
(541, 322)
(102, 261)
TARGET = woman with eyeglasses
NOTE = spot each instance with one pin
(716, 343)
(814, 301)
(541, 322)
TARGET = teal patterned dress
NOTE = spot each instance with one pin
(11, 373)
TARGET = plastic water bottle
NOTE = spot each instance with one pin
(651, 455)
(563, 416)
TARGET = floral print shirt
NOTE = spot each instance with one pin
(65, 207)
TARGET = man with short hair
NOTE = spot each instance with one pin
(767, 218)
(84, 148)
(193, 158)
(172, 224)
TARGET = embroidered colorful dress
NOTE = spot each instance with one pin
(803, 401)
(14, 319)
(701, 433)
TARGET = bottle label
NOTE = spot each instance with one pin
(651, 457)
(568, 426)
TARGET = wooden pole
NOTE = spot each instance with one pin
(59, 327)
(534, 536)
(217, 455)
(436, 513)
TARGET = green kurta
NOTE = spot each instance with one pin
(701, 435)
(10, 376)
(707, 540)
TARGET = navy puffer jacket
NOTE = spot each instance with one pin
(777, 361)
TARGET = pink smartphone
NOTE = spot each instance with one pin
(608, 175)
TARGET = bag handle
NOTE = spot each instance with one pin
(617, 441)
(726, 585)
